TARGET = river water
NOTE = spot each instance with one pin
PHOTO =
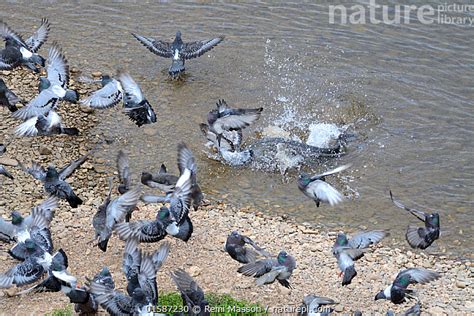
(406, 90)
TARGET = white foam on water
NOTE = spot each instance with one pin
(323, 134)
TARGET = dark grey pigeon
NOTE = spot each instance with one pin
(19, 52)
(4, 172)
(112, 212)
(317, 189)
(45, 125)
(347, 251)
(54, 181)
(149, 231)
(191, 294)
(268, 270)
(163, 180)
(236, 247)
(8, 99)
(398, 290)
(316, 305)
(178, 50)
(31, 269)
(225, 118)
(421, 237)
(125, 178)
(87, 305)
(49, 98)
(110, 95)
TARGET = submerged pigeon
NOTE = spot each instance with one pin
(49, 98)
(19, 52)
(54, 181)
(45, 125)
(8, 99)
(235, 247)
(191, 294)
(421, 237)
(178, 50)
(124, 88)
(163, 180)
(112, 212)
(347, 250)
(317, 189)
(268, 270)
(399, 289)
(315, 305)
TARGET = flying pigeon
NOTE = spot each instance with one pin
(112, 212)
(19, 52)
(317, 189)
(268, 270)
(316, 305)
(125, 89)
(178, 50)
(421, 237)
(347, 250)
(225, 118)
(49, 98)
(54, 181)
(45, 125)
(236, 247)
(8, 99)
(399, 288)
(191, 294)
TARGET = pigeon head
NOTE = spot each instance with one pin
(43, 84)
(17, 219)
(146, 176)
(341, 239)
(105, 79)
(304, 179)
(212, 116)
(165, 215)
(380, 296)
(139, 296)
(51, 172)
(104, 272)
(235, 234)
(282, 257)
(433, 220)
(178, 34)
(71, 96)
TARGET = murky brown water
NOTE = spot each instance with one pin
(408, 89)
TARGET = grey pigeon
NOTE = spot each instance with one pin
(48, 99)
(421, 237)
(8, 99)
(86, 304)
(163, 180)
(317, 189)
(125, 178)
(178, 50)
(225, 118)
(19, 52)
(31, 269)
(347, 250)
(45, 125)
(236, 247)
(5, 172)
(229, 147)
(268, 270)
(149, 231)
(112, 212)
(191, 294)
(54, 181)
(397, 291)
(124, 88)
(315, 305)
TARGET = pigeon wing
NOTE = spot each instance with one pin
(159, 48)
(35, 41)
(365, 239)
(196, 49)
(108, 96)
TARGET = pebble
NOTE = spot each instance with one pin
(461, 284)
(96, 74)
(44, 151)
(8, 162)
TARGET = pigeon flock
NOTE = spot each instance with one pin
(45, 269)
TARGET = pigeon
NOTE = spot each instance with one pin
(398, 290)
(268, 270)
(112, 212)
(178, 50)
(229, 147)
(148, 231)
(191, 294)
(31, 270)
(19, 52)
(315, 305)
(48, 99)
(124, 88)
(347, 250)
(225, 118)
(54, 181)
(5, 172)
(235, 247)
(45, 125)
(123, 168)
(317, 189)
(421, 237)
(8, 99)
(163, 181)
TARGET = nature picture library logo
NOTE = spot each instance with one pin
(374, 13)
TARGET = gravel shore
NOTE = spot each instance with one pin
(203, 256)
